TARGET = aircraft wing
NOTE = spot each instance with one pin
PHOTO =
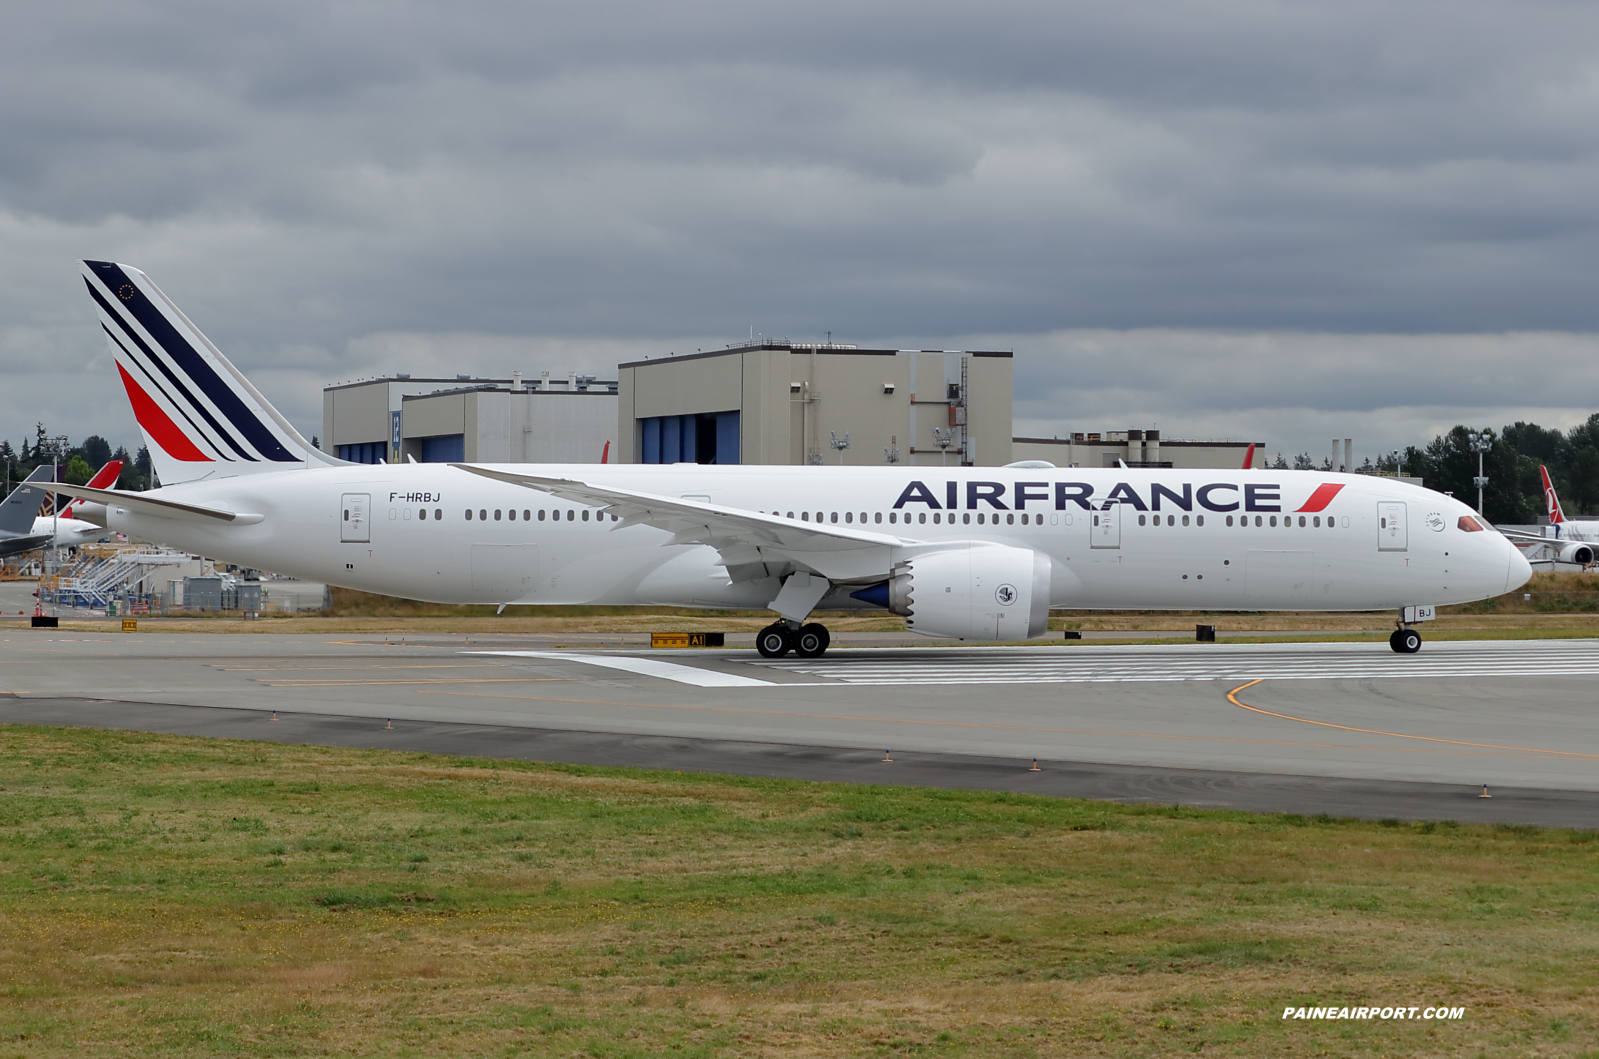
(145, 504)
(752, 544)
(18, 545)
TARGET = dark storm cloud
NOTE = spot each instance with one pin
(499, 182)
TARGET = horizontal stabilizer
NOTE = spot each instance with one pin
(143, 504)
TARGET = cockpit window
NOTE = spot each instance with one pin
(1467, 524)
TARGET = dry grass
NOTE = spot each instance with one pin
(189, 897)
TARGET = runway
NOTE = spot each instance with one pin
(1351, 729)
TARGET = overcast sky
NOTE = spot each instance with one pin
(1278, 221)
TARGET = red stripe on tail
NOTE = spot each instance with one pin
(162, 430)
(1321, 497)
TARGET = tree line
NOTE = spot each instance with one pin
(77, 463)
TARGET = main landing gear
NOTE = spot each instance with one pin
(779, 638)
(1405, 641)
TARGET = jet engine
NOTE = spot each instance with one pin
(969, 592)
(1576, 552)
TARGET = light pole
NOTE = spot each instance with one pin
(942, 439)
(1398, 455)
(839, 445)
(1480, 443)
(891, 455)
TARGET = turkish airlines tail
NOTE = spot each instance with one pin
(1556, 516)
(104, 478)
(201, 418)
(1249, 457)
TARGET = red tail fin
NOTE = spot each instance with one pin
(605, 454)
(104, 478)
(1556, 516)
(1249, 457)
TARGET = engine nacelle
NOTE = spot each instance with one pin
(1576, 552)
(973, 592)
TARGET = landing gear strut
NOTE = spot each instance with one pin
(1405, 641)
(779, 638)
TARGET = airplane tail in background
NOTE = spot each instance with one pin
(1556, 516)
(26, 501)
(201, 418)
(1249, 457)
(105, 478)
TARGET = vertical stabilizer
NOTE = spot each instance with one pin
(1556, 516)
(201, 418)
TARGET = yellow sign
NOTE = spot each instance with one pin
(686, 639)
(130, 624)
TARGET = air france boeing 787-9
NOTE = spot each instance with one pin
(974, 553)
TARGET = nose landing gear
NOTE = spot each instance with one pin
(1405, 641)
(779, 638)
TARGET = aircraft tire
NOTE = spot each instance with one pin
(774, 641)
(1393, 641)
(812, 641)
(1409, 641)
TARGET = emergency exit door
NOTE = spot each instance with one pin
(355, 522)
(1391, 532)
(1105, 528)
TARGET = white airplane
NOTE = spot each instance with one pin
(1568, 540)
(976, 553)
(25, 527)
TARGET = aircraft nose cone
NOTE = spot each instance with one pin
(1519, 570)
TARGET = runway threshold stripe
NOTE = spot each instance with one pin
(1232, 697)
(649, 667)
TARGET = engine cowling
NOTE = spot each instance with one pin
(1576, 552)
(973, 592)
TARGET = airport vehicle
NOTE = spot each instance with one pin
(974, 553)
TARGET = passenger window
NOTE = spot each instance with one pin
(893, 516)
(541, 514)
(1274, 520)
(878, 517)
(527, 516)
(585, 514)
(1185, 520)
(791, 514)
(805, 516)
(1010, 520)
(1301, 521)
(422, 514)
(863, 518)
(1229, 520)
(511, 514)
(849, 516)
(967, 518)
(468, 514)
(922, 517)
(496, 514)
(571, 516)
(1257, 521)
(936, 518)
(979, 518)
(1171, 520)
(1199, 520)
(835, 516)
(1315, 523)
(482, 514)
(1141, 519)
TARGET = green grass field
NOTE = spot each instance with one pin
(172, 896)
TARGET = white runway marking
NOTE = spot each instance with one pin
(649, 667)
(1080, 665)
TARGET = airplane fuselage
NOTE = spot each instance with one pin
(1116, 538)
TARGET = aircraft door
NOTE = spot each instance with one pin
(354, 526)
(1391, 532)
(1105, 528)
